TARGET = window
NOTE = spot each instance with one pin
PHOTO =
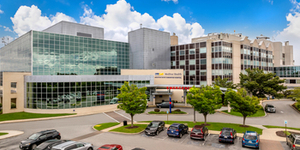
(173, 63)
(192, 51)
(203, 61)
(192, 62)
(203, 50)
(182, 62)
(173, 53)
(181, 53)
(192, 72)
(84, 34)
(203, 72)
(13, 103)
(13, 84)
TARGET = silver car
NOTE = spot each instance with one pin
(73, 145)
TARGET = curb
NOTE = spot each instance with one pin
(126, 133)
(291, 105)
(9, 136)
(50, 118)
(277, 100)
(166, 114)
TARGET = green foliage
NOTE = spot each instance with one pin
(240, 102)
(3, 133)
(205, 100)
(295, 93)
(287, 93)
(0, 105)
(102, 126)
(224, 83)
(268, 126)
(260, 84)
(259, 113)
(13, 105)
(132, 99)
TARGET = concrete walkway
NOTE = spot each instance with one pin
(11, 133)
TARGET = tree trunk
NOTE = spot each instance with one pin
(131, 120)
(204, 117)
(244, 119)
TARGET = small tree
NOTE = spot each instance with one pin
(224, 83)
(260, 84)
(133, 99)
(205, 100)
(240, 102)
(295, 93)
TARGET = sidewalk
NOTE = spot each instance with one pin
(11, 133)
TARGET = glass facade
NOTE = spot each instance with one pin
(63, 95)
(288, 71)
(16, 56)
(58, 54)
(192, 59)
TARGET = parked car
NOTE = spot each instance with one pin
(270, 108)
(199, 132)
(110, 147)
(227, 135)
(73, 145)
(47, 145)
(155, 127)
(138, 149)
(100, 96)
(115, 100)
(165, 105)
(293, 141)
(251, 139)
(37, 138)
(177, 130)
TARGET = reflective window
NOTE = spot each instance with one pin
(181, 62)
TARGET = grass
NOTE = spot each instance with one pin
(259, 113)
(216, 126)
(287, 133)
(122, 129)
(25, 115)
(164, 112)
(102, 126)
(267, 126)
(2, 133)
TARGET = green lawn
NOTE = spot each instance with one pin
(105, 125)
(267, 126)
(164, 112)
(287, 133)
(140, 128)
(216, 126)
(25, 115)
(259, 113)
(1, 133)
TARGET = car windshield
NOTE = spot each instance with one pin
(154, 124)
(196, 130)
(250, 137)
(34, 136)
(271, 106)
(226, 132)
(297, 142)
(104, 147)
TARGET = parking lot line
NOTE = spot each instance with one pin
(184, 139)
(124, 116)
(206, 138)
(111, 117)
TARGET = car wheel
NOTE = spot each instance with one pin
(243, 145)
(233, 141)
(90, 148)
(180, 135)
(168, 135)
(156, 133)
(58, 137)
(33, 146)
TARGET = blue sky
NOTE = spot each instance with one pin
(278, 19)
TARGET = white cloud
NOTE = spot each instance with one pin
(120, 18)
(175, 1)
(292, 31)
(30, 18)
(1, 11)
(270, 1)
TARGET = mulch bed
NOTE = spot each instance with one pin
(282, 134)
(205, 124)
(131, 127)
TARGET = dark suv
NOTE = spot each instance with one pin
(177, 130)
(37, 138)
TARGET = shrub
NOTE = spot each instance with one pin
(0, 105)
(297, 105)
(178, 110)
(156, 110)
(13, 105)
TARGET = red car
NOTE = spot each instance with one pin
(110, 147)
(199, 132)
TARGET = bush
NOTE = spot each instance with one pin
(177, 110)
(0, 105)
(297, 105)
(156, 110)
(13, 105)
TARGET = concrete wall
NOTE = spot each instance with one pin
(236, 62)
(70, 28)
(161, 76)
(174, 40)
(79, 111)
(9, 77)
(208, 63)
(149, 49)
(277, 47)
(289, 60)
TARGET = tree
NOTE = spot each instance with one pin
(133, 99)
(240, 102)
(205, 100)
(295, 94)
(286, 93)
(224, 83)
(259, 84)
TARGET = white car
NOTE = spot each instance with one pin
(73, 145)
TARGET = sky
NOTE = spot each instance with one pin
(277, 19)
